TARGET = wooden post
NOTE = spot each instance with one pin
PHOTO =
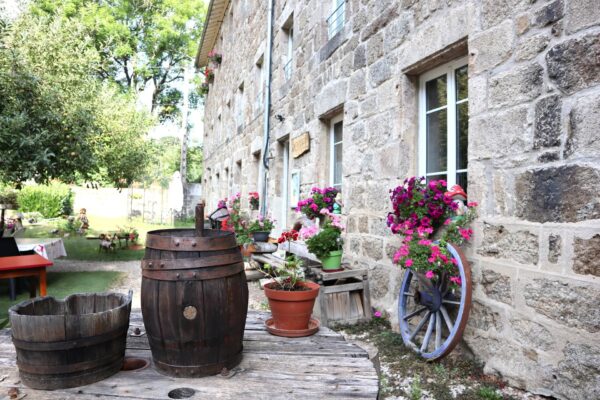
(200, 218)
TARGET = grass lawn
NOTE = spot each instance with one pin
(80, 248)
(62, 284)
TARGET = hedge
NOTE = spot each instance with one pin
(51, 201)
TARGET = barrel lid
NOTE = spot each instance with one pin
(187, 240)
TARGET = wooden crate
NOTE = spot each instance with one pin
(343, 298)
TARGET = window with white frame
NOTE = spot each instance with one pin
(337, 18)
(444, 123)
(289, 58)
(336, 150)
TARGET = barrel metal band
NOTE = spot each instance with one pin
(194, 275)
(174, 243)
(191, 370)
(192, 263)
(69, 368)
(68, 344)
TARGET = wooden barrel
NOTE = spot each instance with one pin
(194, 300)
(75, 342)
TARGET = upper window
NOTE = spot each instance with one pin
(336, 142)
(261, 82)
(337, 18)
(239, 106)
(289, 59)
(444, 123)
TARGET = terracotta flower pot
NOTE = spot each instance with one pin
(291, 310)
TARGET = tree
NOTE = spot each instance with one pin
(195, 158)
(57, 120)
(140, 42)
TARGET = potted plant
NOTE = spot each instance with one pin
(326, 243)
(253, 199)
(429, 218)
(209, 75)
(319, 199)
(291, 298)
(215, 57)
(236, 222)
(260, 228)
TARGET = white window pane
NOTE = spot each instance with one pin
(436, 92)
(337, 164)
(461, 179)
(337, 132)
(462, 135)
(461, 77)
(437, 138)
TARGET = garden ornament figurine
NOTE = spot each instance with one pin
(459, 197)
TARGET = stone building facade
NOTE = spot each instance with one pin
(530, 101)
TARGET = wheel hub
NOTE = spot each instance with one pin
(430, 298)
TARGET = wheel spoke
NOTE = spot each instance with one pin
(412, 314)
(447, 319)
(419, 326)
(451, 302)
(428, 333)
(438, 330)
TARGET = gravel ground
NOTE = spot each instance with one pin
(133, 280)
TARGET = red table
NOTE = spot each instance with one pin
(29, 265)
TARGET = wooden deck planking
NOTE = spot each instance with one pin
(316, 367)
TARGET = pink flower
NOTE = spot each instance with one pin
(324, 211)
(404, 250)
(448, 221)
(429, 274)
(472, 204)
(408, 263)
(424, 242)
(456, 279)
(453, 260)
(314, 207)
(465, 233)
(377, 314)
(309, 231)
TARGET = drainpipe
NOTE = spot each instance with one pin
(264, 166)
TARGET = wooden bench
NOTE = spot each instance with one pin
(24, 266)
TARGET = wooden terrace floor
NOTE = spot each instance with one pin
(322, 366)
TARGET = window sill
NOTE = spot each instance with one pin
(333, 44)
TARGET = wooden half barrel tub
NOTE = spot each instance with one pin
(71, 342)
(194, 299)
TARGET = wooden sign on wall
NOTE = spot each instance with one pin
(300, 145)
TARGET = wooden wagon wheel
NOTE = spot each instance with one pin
(433, 315)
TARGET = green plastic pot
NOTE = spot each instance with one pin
(333, 261)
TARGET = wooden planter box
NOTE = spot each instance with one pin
(343, 298)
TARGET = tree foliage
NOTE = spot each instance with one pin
(140, 42)
(164, 154)
(57, 119)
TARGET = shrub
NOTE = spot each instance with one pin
(8, 196)
(51, 201)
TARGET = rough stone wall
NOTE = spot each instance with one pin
(534, 155)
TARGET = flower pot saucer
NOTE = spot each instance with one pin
(313, 327)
